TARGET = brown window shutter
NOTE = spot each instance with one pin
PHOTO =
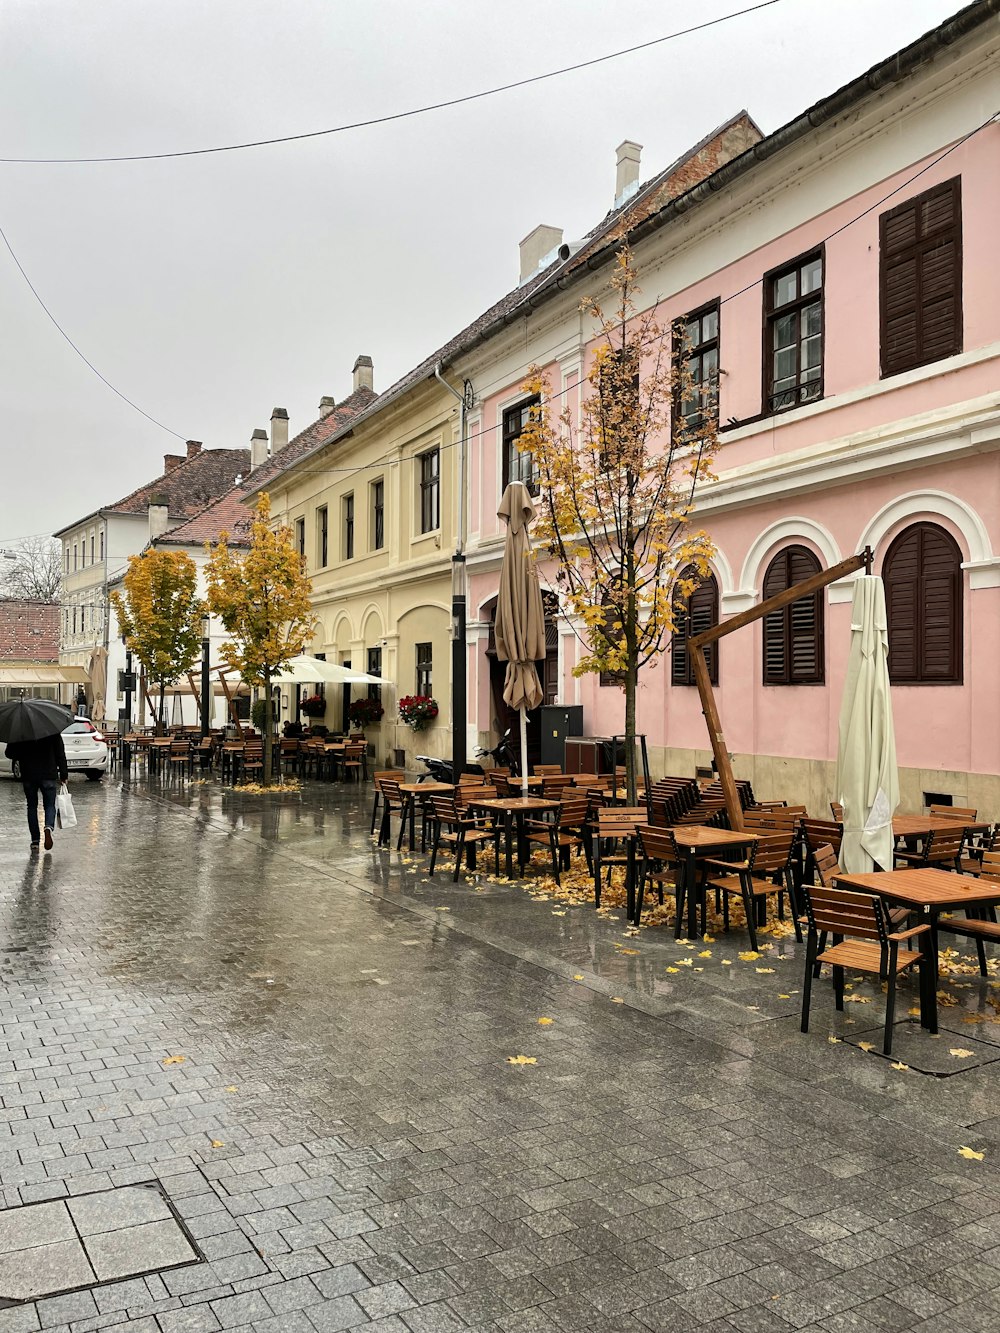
(923, 584)
(920, 279)
(701, 613)
(793, 636)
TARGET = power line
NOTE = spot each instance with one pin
(104, 380)
(398, 115)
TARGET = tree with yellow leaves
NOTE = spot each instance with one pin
(262, 598)
(159, 613)
(618, 487)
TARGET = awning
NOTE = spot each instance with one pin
(43, 673)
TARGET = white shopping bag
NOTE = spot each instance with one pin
(65, 813)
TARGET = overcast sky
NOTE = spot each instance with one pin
(211, 289)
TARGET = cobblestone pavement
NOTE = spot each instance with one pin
(298, 1046)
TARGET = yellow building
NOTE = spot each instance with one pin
(369, 495)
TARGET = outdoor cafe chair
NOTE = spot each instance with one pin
(862, 941)
(566, 830)
(979, 928)
(355, 760)
(461, 831)
(966, 812)
(613, 835)
(498, 777)
(396, 775)
(818, 833)
(251, 762)
(289, 754)
(659, 866)
(393, 802)
(826, 872)
(546, 770)
(988, 841)
(942, 848)
(764, 872)
(180, 757)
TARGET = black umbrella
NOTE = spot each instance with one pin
(32, 719)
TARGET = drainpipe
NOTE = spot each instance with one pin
(459, 652)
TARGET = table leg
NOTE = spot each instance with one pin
(630, 882)
(508, 820)
(692, 899)
(413, 822)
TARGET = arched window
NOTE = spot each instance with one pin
(700, 614)
(793, 636)
(923, 593)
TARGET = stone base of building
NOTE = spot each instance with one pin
(810, 782)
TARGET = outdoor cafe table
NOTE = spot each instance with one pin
(696, 841)
(411, 792)
(514, 809)
(919, 826)
(927, 891)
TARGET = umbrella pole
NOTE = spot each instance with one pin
(524, 752)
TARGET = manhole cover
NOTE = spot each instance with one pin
(47, 1249)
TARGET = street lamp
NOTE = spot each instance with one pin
(206, 683)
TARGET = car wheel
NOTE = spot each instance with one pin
(15, 769)
(93, 774)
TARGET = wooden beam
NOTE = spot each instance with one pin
(229, 698)
(696, 645)
(194, 689)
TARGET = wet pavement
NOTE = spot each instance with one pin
(299, 1048)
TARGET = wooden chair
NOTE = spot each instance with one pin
(979, 928)
(251, 763)
(460, 830)
(498, 778)
(659, 866)
(565, 830)
(615, 827)
(179, 757)
(837, 810)
(965, 812)
(393, 802)
(862, 941)
(988, 841)
(396, 775)
(555, 784)
(942, 848)
(546, 770)
(355, 760)
(765, 871)
(828, 871)
(288, 754)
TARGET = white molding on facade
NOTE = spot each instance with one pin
(778, 534)
(983, 573)
(723, 571)
(740, 599)
(928, 503)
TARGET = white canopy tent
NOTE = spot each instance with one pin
(306, 670)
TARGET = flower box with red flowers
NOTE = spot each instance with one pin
(417, 710)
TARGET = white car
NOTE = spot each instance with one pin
(86, 751)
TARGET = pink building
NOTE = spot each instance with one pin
(842, 274)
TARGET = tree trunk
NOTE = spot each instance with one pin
(159, 711)
(268, 728)
(631, 682)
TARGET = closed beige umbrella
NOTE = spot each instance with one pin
(98, 672)
(519, 627)
(867, 777)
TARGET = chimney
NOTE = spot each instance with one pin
(364, 373)
(326, 405)
(627, 176)
(538, 249)
(170, 461)
(279, 429)
(258, 448)
(193, 448)
(159, 516)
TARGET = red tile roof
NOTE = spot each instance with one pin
(226, 514)
(321, 430)
(29, 631)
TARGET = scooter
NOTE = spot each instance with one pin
(441, 770)
(502, 754)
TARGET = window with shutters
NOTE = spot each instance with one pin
(793, 636)
(696, 349)
(700, 613)
(793, 334)
(518, 464)
(923, 592)
(920, 279)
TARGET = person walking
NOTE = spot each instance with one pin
(42, 765)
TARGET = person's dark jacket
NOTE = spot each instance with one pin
(40, 761)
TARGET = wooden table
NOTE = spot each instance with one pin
(695, 841)
(927, 891)
(410, 791)
(919, 826)
(514, 809)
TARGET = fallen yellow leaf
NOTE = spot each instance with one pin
(898, 1064)
(784, 997)
(442, 909)
(971, 1153)
(767, 971)
(673, 969)
(961, 1053)
(749, 955)
(558, 913)
(867, 1045)
(834, 1041)
(577, 976)
(217, 1143)
(617, 999)
(705, 953)
(521, 1060)
(232, 1088)
(628, 951)
(709, 939)
(727, 962)
(857, 999)
(544, 1022)
(174, 1060)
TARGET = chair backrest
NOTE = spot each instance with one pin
(555, 784)
(773, 851)
(445, 810)
(656, 843)
(991, 866)
(944, 845)
(837, 810)
(395, 775)
(816, 832)
(572, 812)
(843, 912)
(616, 821)
(825, 865)
(389, 787)
(354, 751)
(545, 770)
(953, 812)
(465, 795)
(180, 748)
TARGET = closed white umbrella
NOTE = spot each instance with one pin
(867, 777)
(519, 627)
(306, 670)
